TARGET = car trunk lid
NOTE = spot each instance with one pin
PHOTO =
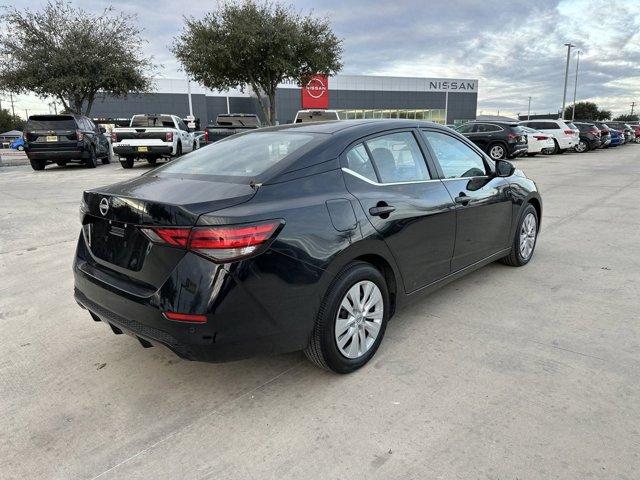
(115, 215)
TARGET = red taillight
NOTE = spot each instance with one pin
(169, 137)
(206, 136)
(185, 317)
(25, 135)
(219, 243)
(79, 134)
(176, 237)
(540, 137)
(569, 132)
(114, 137)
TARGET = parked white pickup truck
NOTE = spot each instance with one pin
(151, 137)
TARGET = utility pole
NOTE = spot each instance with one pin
(529, 110)
(566, 77)
(633, 104)
(13, 112)
(575, 89)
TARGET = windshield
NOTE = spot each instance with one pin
(240, 156)
(152, 121)
(52, 123)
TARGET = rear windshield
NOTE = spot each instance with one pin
(51, 123)
(517, 129)
(316, 116)
(241, 121)
(240, 156)
(572, 126)
(152, 121)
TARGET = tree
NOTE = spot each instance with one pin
(256, 44)
(627, 118)
(8, 123)
(587, 111)
(70, 54)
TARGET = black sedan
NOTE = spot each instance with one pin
(305, 237)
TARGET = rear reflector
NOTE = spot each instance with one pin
(185, 317)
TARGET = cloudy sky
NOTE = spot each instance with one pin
(515, 48)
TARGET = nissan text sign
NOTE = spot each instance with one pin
(315, 93)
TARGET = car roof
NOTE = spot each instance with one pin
(354, 127)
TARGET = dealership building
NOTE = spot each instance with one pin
(441, 100)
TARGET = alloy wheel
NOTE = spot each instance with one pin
(496, 152)
(581, 147)
(528, 232)
(359, 319)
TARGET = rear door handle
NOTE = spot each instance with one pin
(463, 199)
(382, 210)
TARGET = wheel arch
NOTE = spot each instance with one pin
(376, 253)
(536, 202)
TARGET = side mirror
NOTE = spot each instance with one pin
(103, 130)
(504, 168)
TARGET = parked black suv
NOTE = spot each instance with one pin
(589, 137)
(499, 139)
(65, 138)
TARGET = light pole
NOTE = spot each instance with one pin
(566, 77)
(575, 89)
(529, 110)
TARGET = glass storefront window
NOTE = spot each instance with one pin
(437, 115)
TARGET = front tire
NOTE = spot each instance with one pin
(351, 320)
(525, 239)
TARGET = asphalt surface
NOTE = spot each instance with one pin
(509, 373)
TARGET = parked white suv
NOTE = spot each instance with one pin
(564, 136)
(151, 137)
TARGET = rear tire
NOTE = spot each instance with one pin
(92, 161)
(525, 239)
(497, 151)
(152, 160)
(20, 148)
(38, 164)
(359, 327)
(582, 146)
(61, 163)
(107, 159)
(126, 162)
(178, 150)
(556, 148)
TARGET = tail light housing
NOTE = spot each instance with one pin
(219, 243)
(114, 137)
(25, 135)
(79, 134)
(569, 132)
(540, 137)
(206, 136)
(169, 137)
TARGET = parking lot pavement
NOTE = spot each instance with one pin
(507, 373)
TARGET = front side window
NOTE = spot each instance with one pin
(457, 159)
(398, 158)
(358, 161)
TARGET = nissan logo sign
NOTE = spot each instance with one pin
(104, 206)
(316, 87)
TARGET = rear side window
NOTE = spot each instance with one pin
(488, 128)
(51, 123)
(398, 158)
(456, 158)
(517, 129)
(240, 156)
(358, 161)
(467, 128)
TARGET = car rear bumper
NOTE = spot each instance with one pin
(518, 150)
(244, 315)
(56, 155)
(134, 150)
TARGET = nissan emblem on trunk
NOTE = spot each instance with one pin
(104, 206)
